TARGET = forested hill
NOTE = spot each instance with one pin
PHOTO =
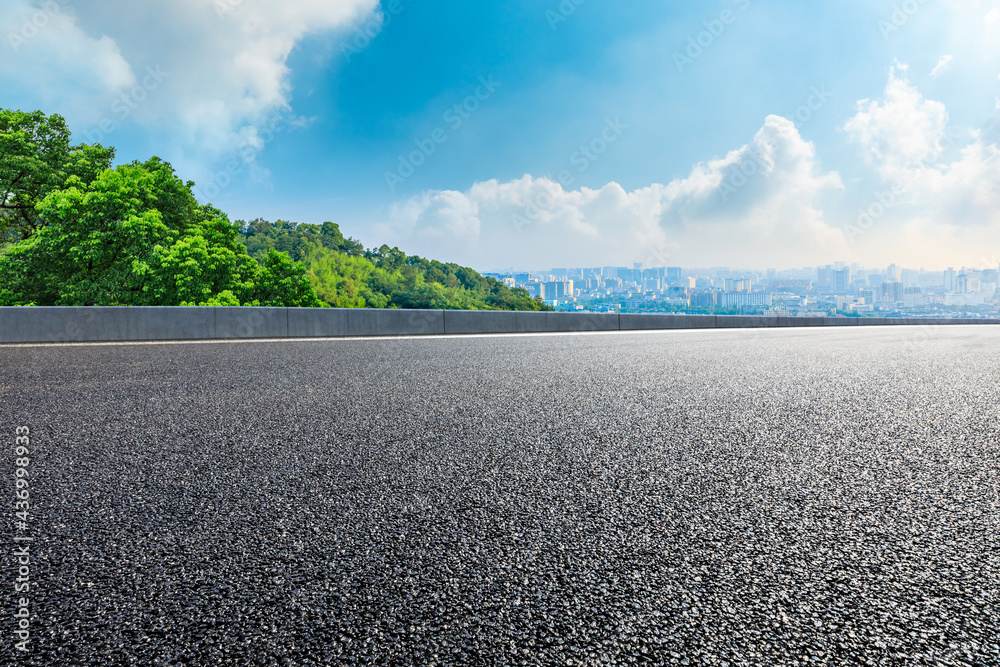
(346, 275)
(77, 231)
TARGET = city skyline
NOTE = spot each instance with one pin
(542, 132)
(838, 289)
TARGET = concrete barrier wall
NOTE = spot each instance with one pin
(65, 324)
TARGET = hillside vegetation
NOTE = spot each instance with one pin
(74, 230)
(346, 275)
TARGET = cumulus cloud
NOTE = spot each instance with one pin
(945, 203)
(221, 63)
(908, 137)
(758, 205)
(45, 50)
(902, 131)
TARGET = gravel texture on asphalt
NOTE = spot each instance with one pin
(763, 497)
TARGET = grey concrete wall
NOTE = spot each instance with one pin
(633, 322)
(50, 325)
(165, 323)
(59, 325)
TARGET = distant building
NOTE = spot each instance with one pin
(738, 285)
(950, 280)
(703, 299)
(673, 274)
(803, 285)
(557, 289)
(891, 291)
(968, 283)
(824, 276)
(964, 300)
(842, 280)
(745, 300)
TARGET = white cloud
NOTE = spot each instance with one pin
(225, 61)
(908, 136)
(942, 65)
(948, 190)
(756, 206)
(903, 131)
(45, 51)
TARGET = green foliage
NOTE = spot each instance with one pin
(74, 231)
(36, 159)
(295, 239)
(137, 236)
(283, 282)
(345, 276)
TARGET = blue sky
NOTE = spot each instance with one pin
(747, 133)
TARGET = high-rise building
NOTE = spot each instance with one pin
(891, 291)
(893, 273)
(651, 285)
(738, 285)
(824, 276)
(557, 290)
(950, 282)
(968, 283)
(842, 280)
(703, 299)
(673, 274)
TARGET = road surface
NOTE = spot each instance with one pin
(706, 497)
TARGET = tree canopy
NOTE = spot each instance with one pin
(76, 231)
(136, 236)
(36, 158)
(347, 276)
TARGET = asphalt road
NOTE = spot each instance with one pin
(768, 497)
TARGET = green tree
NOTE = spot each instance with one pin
(282, 282)
(36, 159)
(137, 236)
(97, 247)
